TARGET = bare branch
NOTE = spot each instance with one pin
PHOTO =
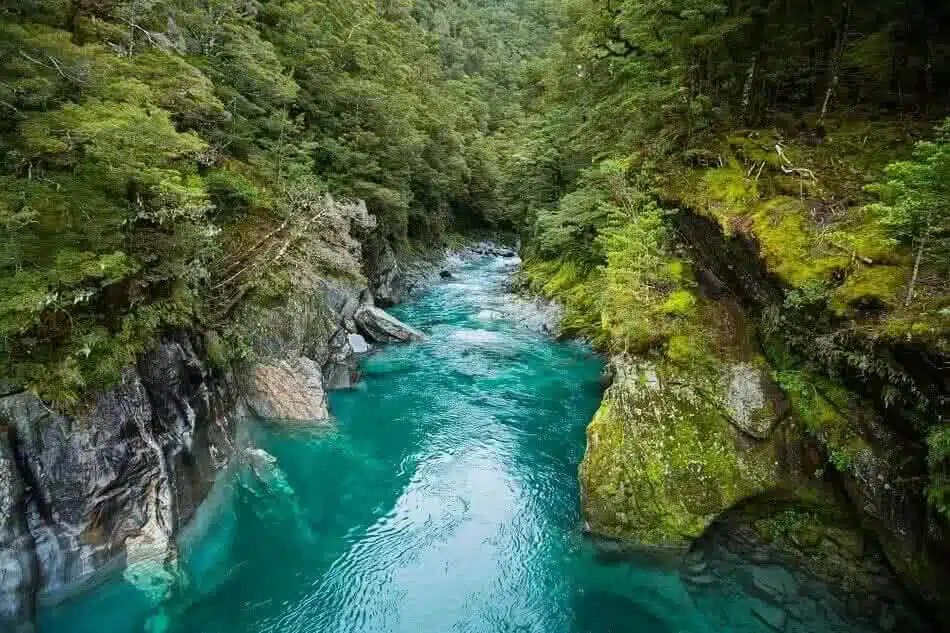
(787, 167)
(55, 66)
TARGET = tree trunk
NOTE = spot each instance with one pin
(836, 62)
(747, 90)
(73, 20)
(913, 279)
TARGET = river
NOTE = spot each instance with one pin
(442, 498)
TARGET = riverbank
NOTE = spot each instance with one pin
(114, 486)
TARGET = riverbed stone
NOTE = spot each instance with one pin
(802, 553)
(381, 327)
(772, 616)
(774, 583)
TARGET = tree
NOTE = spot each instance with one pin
(915, 201)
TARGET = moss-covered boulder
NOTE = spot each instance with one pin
(664, 458)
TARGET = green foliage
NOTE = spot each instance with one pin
(914, 206)
(841, 459)
(615, 269)
(938, 460)
(915, 196)
(145, 148)
(230, 193)
(646, 299)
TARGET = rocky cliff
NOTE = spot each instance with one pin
(112, 488)
(677, 447)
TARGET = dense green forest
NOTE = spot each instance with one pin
(148, 148)
(811, 132)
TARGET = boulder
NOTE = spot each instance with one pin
(358, 344)
(754, 403)
(289, 391)
(445, 274)
(340, 368)
(380, 327)
(663, 460)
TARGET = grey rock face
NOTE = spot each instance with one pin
(381, 327)
(17, 555)
(114, 486)
(358, 344)
(385, 277)
(753, 401)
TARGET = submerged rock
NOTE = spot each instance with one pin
(802, 564)
(772, 616)
(381, 327)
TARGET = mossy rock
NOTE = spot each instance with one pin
(663, 460)
(876, 287)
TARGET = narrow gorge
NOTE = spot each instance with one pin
(489, 315)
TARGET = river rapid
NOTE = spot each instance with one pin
(442, 498)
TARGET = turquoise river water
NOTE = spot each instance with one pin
(442, 498)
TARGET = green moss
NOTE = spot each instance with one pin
(677, 270)
(662, 461)
(680, 348)
(757, 146)
(680, 303)
(812, 230)
(855, 153)
(808, 395)
(727, 194)
(787, 245)
(880, 284)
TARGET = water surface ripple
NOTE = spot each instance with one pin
(444, 498)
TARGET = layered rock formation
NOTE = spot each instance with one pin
(115, 486)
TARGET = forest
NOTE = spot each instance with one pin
(149, 146)
(158, 157)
